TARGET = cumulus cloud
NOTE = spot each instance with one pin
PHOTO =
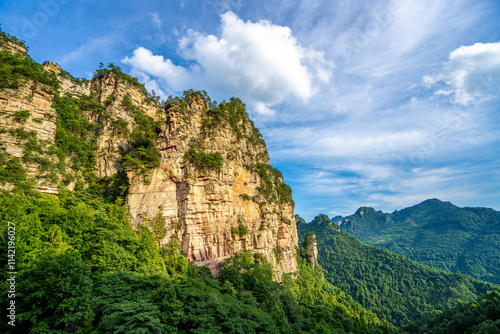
(145, 63)
(471, 75)
(259, 62)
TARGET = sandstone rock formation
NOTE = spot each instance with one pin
(208, 180)
(215, 213)
(311, 247)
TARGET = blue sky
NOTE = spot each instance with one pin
(362, 103)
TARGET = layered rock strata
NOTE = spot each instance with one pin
(211, 185)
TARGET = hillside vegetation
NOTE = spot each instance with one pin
(481, 316)
(82, 269)
(391, 285)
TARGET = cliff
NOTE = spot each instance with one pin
(192, 170)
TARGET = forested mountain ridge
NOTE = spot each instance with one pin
(392, 286)
(435, 233)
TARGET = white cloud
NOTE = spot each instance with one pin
(155, 18)
(471, 75)
(260, 62)
(143, 61)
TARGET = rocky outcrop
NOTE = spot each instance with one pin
(26, 117)
(311, 248)
(215, 213)
(207, 180)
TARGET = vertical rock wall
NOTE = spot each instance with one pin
(238, 204)
(204, 209)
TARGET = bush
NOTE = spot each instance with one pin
(202, 160)
(144, 156)
(241, 229)
(22, 116)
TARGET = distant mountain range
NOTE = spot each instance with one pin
(394, 287)
(439, 234)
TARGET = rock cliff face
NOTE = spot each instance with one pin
(198, 169)
(216, 212)
(26, 113)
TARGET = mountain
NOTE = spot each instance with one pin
(198, 171)
(119, 211)
(439, 234)
(394, 287)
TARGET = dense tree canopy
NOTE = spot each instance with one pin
(394, 287)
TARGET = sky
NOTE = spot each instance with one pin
(382, 103)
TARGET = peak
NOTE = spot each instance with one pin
(12, 44)
(364, 210)
(433, 202)
(320, 219)
(51, 66)
(299, 220)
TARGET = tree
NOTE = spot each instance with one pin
(54, 294)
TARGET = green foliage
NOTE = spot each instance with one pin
(481, 316)
(145, 126)
(120, 127)
(18, 69)
(55, 294)
(272, 187)
(393, 286)
(435, 233)
(246, 197)
(204, 161)
(234, 115)
(75, 136)
(83, 269)
(13, 172)
(278, 253)
(157, 225)
(144, 154)
(124, 304)
(22, 116)
(22, 134)
(241, 229)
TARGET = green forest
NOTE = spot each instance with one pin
(394, 287)
(83, 269)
